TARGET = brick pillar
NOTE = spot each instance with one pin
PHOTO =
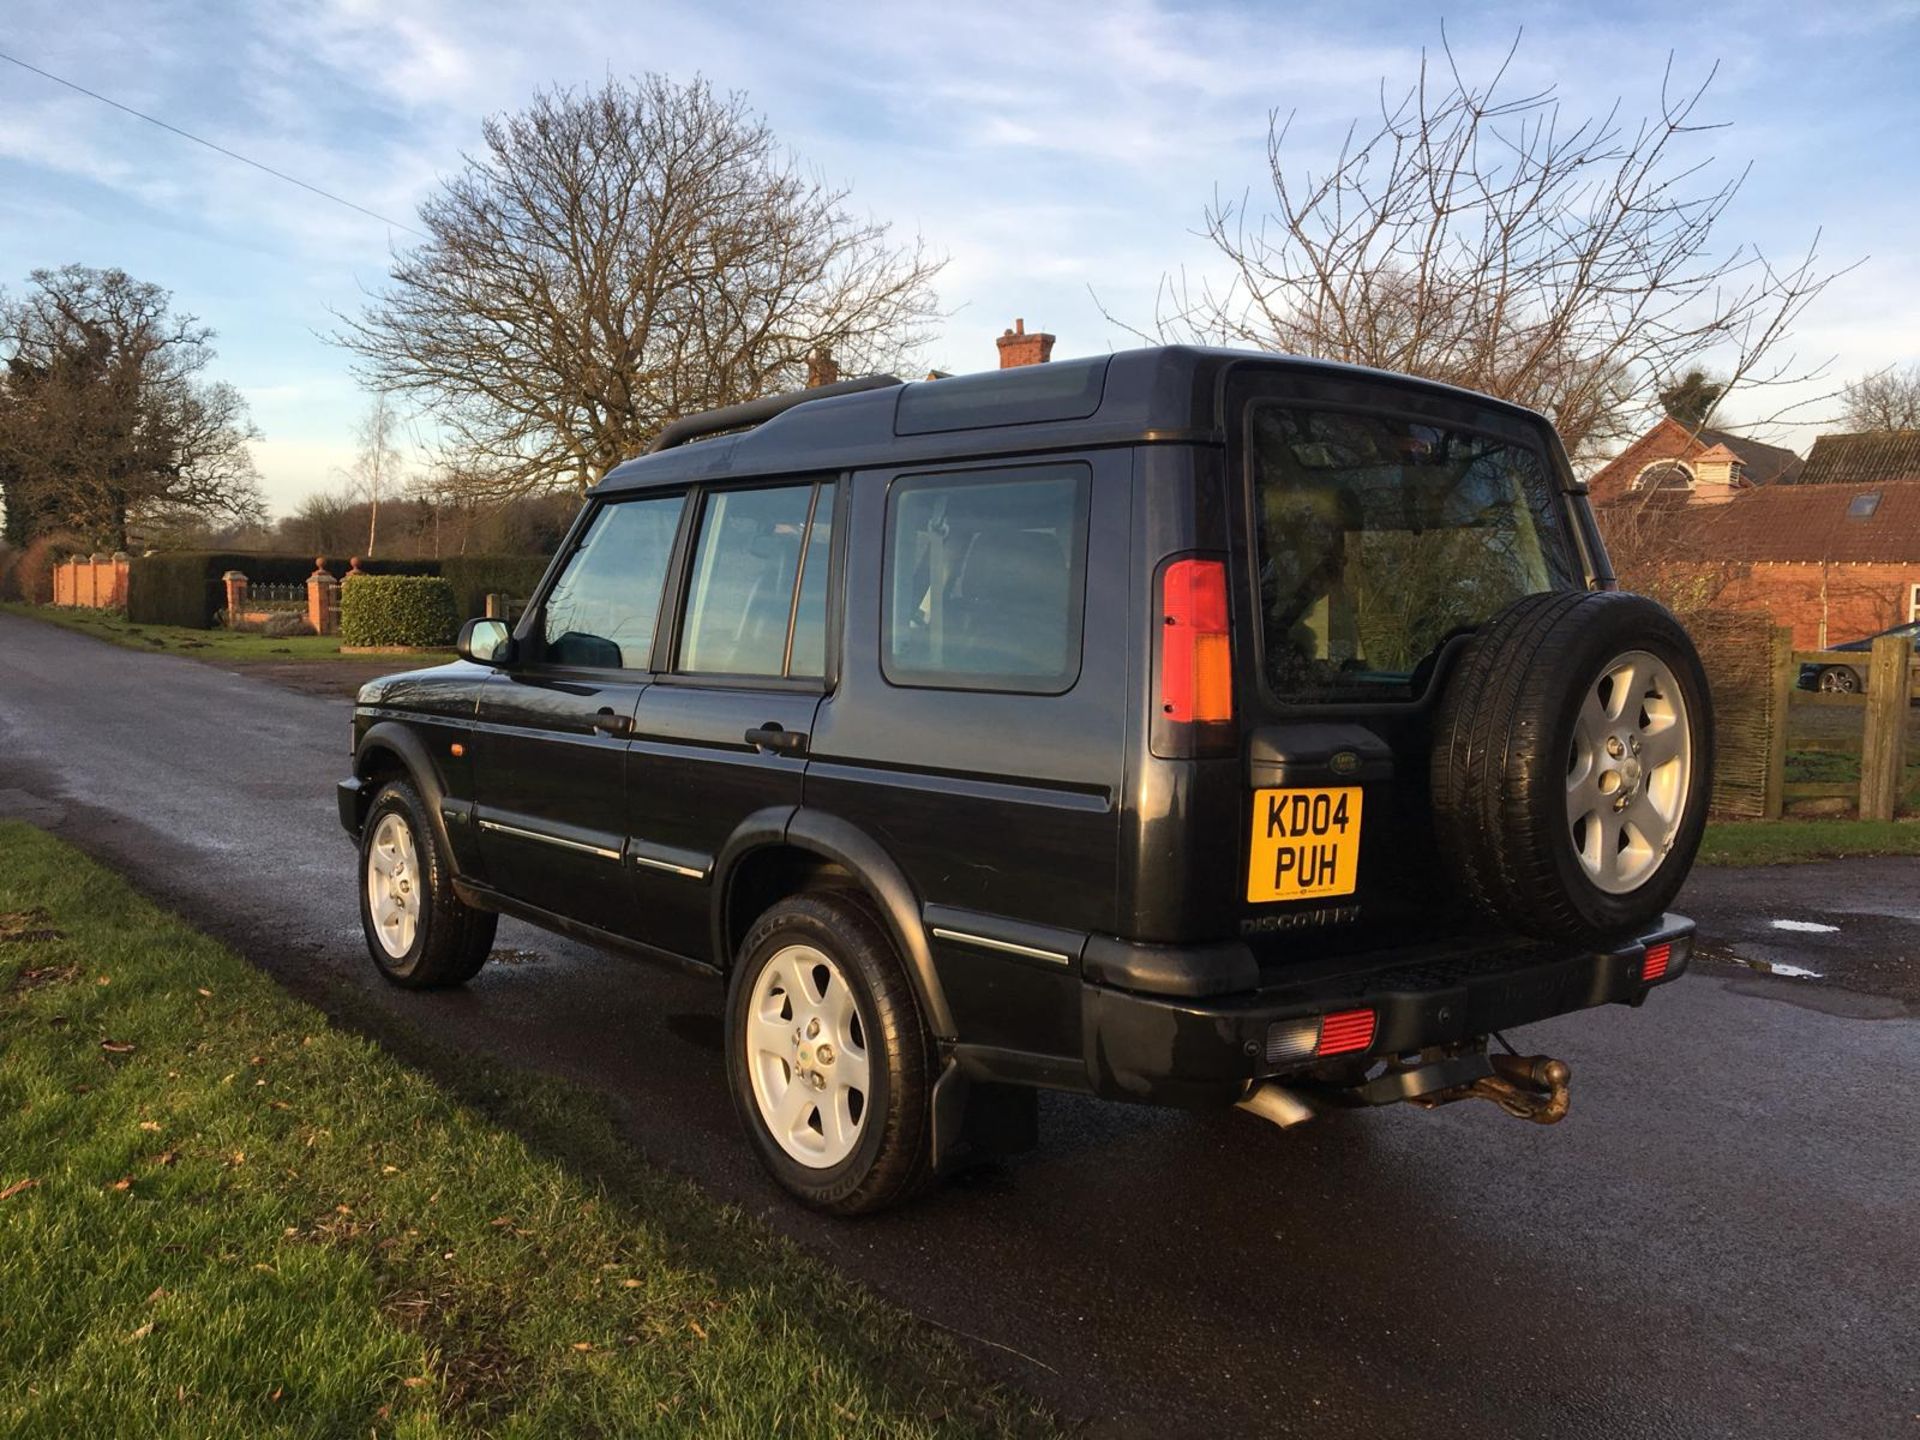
(122, 566)
(1017, 347)
(323, 599)
(63, 583)
(236, 596)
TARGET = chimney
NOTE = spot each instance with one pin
(1017, 347)
(821, 368)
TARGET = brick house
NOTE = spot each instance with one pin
(1694, 467)
(1835, 562)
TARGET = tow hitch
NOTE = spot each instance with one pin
(1531, 1087)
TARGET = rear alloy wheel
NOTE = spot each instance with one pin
(829, 1061)
(420, 933)
(1839, 680)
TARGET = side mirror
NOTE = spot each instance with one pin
(485, 642)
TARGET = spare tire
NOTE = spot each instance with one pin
(1572, 764)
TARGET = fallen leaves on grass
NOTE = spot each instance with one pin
(24, 927)
(117, 1047)
(125, 1182)
(45, 975)
(165, 1157)
(142, 1333)
(17, 1186)
(153, 1125)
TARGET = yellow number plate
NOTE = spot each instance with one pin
(1306, 843)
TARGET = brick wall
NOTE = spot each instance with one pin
(96, 582)
(1825, 604)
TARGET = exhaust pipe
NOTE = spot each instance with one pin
(1283, 1106)
(1529, 1087)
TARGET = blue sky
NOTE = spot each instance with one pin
(1046, 149)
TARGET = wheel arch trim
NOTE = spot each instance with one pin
(417, 761)
(872, 868)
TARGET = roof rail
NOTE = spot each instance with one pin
(753, 412)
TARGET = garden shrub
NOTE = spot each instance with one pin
(398, 610)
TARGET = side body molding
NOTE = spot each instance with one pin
(847, 845)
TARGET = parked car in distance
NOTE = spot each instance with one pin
(1180, 726)
(1838, 679)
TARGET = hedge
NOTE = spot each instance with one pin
(398, 610)
(184, 587)
(474, 577)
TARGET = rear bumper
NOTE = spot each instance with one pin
(1176, 1051)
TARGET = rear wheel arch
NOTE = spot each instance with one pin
(812, 850)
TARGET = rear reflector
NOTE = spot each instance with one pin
(1196, 661)
(1292, 1039)
(1346, 1032)
(1658, 957)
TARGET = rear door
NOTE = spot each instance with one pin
(551, 732)
(976, 730)
(726, 729)
(1377, 524)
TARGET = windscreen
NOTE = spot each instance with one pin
(1380, 536)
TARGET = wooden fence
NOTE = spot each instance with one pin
(1883, 703)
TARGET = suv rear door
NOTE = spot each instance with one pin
(724, 732)
(1374, 524)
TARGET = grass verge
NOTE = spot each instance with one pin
(1780, 842)
(221, 1216)
(225, 646)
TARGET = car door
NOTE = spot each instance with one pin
(552, 727)
(723, 732)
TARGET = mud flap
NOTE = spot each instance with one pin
(974, 1121)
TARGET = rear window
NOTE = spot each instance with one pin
(1378, 537)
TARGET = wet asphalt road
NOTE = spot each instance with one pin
(1720, 1240)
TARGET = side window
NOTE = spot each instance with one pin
(757, 595)
(985, 584)
(602, 609)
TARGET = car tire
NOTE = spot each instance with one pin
(818, 972)
(421, 935)
(1839, 680)
(1572, 764)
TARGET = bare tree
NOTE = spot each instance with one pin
(378, 464)
(1486, 241)
(1886, 400)
(105, 423)
(617, 258)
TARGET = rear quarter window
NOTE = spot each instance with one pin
(985, 579)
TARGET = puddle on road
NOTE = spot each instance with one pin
(1805, 927)
(1776, 967)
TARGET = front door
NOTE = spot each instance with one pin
(724, 731)
(552, 729)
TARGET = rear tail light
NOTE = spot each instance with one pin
(1345, 1033)
(1195, 692)
(1658, 957)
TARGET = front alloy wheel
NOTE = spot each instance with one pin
(419, 931)
(393, 870)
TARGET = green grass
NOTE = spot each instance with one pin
(1779, 842)
(226, 646)
(244, 1221)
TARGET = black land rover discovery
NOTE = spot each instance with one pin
(1178, 726)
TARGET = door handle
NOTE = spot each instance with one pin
(775, 737)
(609, 721)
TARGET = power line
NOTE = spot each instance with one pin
(220, 149)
